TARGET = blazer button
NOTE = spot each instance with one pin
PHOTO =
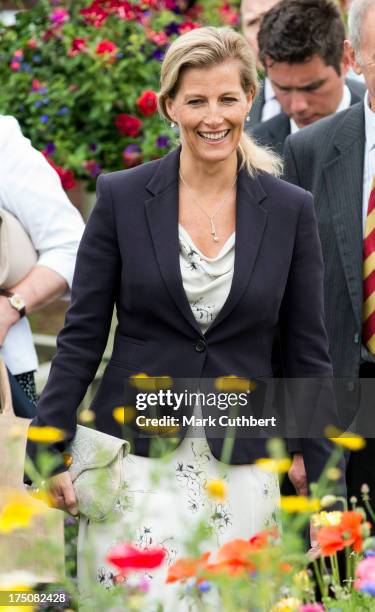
(200, 347)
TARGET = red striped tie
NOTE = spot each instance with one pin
(369, 275)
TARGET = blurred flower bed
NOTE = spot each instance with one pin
(81, 77)
(270, 572)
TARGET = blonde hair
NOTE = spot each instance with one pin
(203, 48)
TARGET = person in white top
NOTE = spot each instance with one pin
(31, 190)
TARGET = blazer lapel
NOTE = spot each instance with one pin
(345, 195)
(251, 221)
(162, 216)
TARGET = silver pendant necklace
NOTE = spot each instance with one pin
(214, 235)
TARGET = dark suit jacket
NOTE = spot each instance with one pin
(129, 256)
(327, 159)
(275, 131)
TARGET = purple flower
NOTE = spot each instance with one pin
(70, 520)
(59, 16)
(64, 110)
(44, 118)
(370, 553)
(43, 90)
(25, 67)
(50, 149)
(368, 587)
(204, 586)
(38, 103)
(93, 146)
(171, 28)
(162, 142)
(37, 58)
(45, 101)
(158, 54)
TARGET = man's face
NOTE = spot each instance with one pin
(366, 65)
(307, 91)
(252, 12)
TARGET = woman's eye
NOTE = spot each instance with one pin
(194, 102)
(229, 100)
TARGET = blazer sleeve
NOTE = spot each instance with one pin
(290, 172)
(81, 343)
(304, 341)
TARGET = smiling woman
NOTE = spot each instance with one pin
(205, 253)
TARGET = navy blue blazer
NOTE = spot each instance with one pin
(129, 257)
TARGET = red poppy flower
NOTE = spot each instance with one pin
(126, 557)
(66, 176)
(128, 125)
(350, 527)
(147, 103)
(78, 46)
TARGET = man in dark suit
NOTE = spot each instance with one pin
(335, 160)
(301, 45)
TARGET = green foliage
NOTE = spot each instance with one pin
(67, 92)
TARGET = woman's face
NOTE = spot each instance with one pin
(210, 108)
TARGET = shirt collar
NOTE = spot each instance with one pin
(269, 93)
(344, 104)
(369, 124)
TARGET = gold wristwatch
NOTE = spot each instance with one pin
(15, 300)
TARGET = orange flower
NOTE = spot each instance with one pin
(330, 540)
(351, 529)
(264, 538)
(235, 555)
(186, 568)
(346, 533)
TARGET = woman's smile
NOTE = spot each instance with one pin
(213, 137)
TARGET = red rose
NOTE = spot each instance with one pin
(147, 103)
(66, 176)
(128, 125)
(78, 46)
(187, 27)
(106, 46)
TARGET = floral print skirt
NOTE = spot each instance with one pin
(163, 502)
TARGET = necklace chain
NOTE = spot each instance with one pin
(214, 235)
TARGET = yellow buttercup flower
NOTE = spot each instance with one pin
(150, 383)
(326, 519)
(302, 580)
(124, 414)
(289, 604)
(18, 511)
(86, 416)
(234, 383)
(217, 489)
(46, 435)
(299, 503)
(346, 439)
(278, 466)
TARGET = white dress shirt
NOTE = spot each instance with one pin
(271, 105)
(344, 104)
(31, 190)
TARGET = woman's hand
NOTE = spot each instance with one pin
(62, 491)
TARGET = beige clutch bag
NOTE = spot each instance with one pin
(17, 253)
(97, 471)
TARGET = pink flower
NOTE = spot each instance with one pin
(365, 574)
(15, 66)
(32, 43)
(59, 16)
(36, 85)
(159, 38)
(311, 607)
(18, 54)
(228, 15)
(106, 46)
